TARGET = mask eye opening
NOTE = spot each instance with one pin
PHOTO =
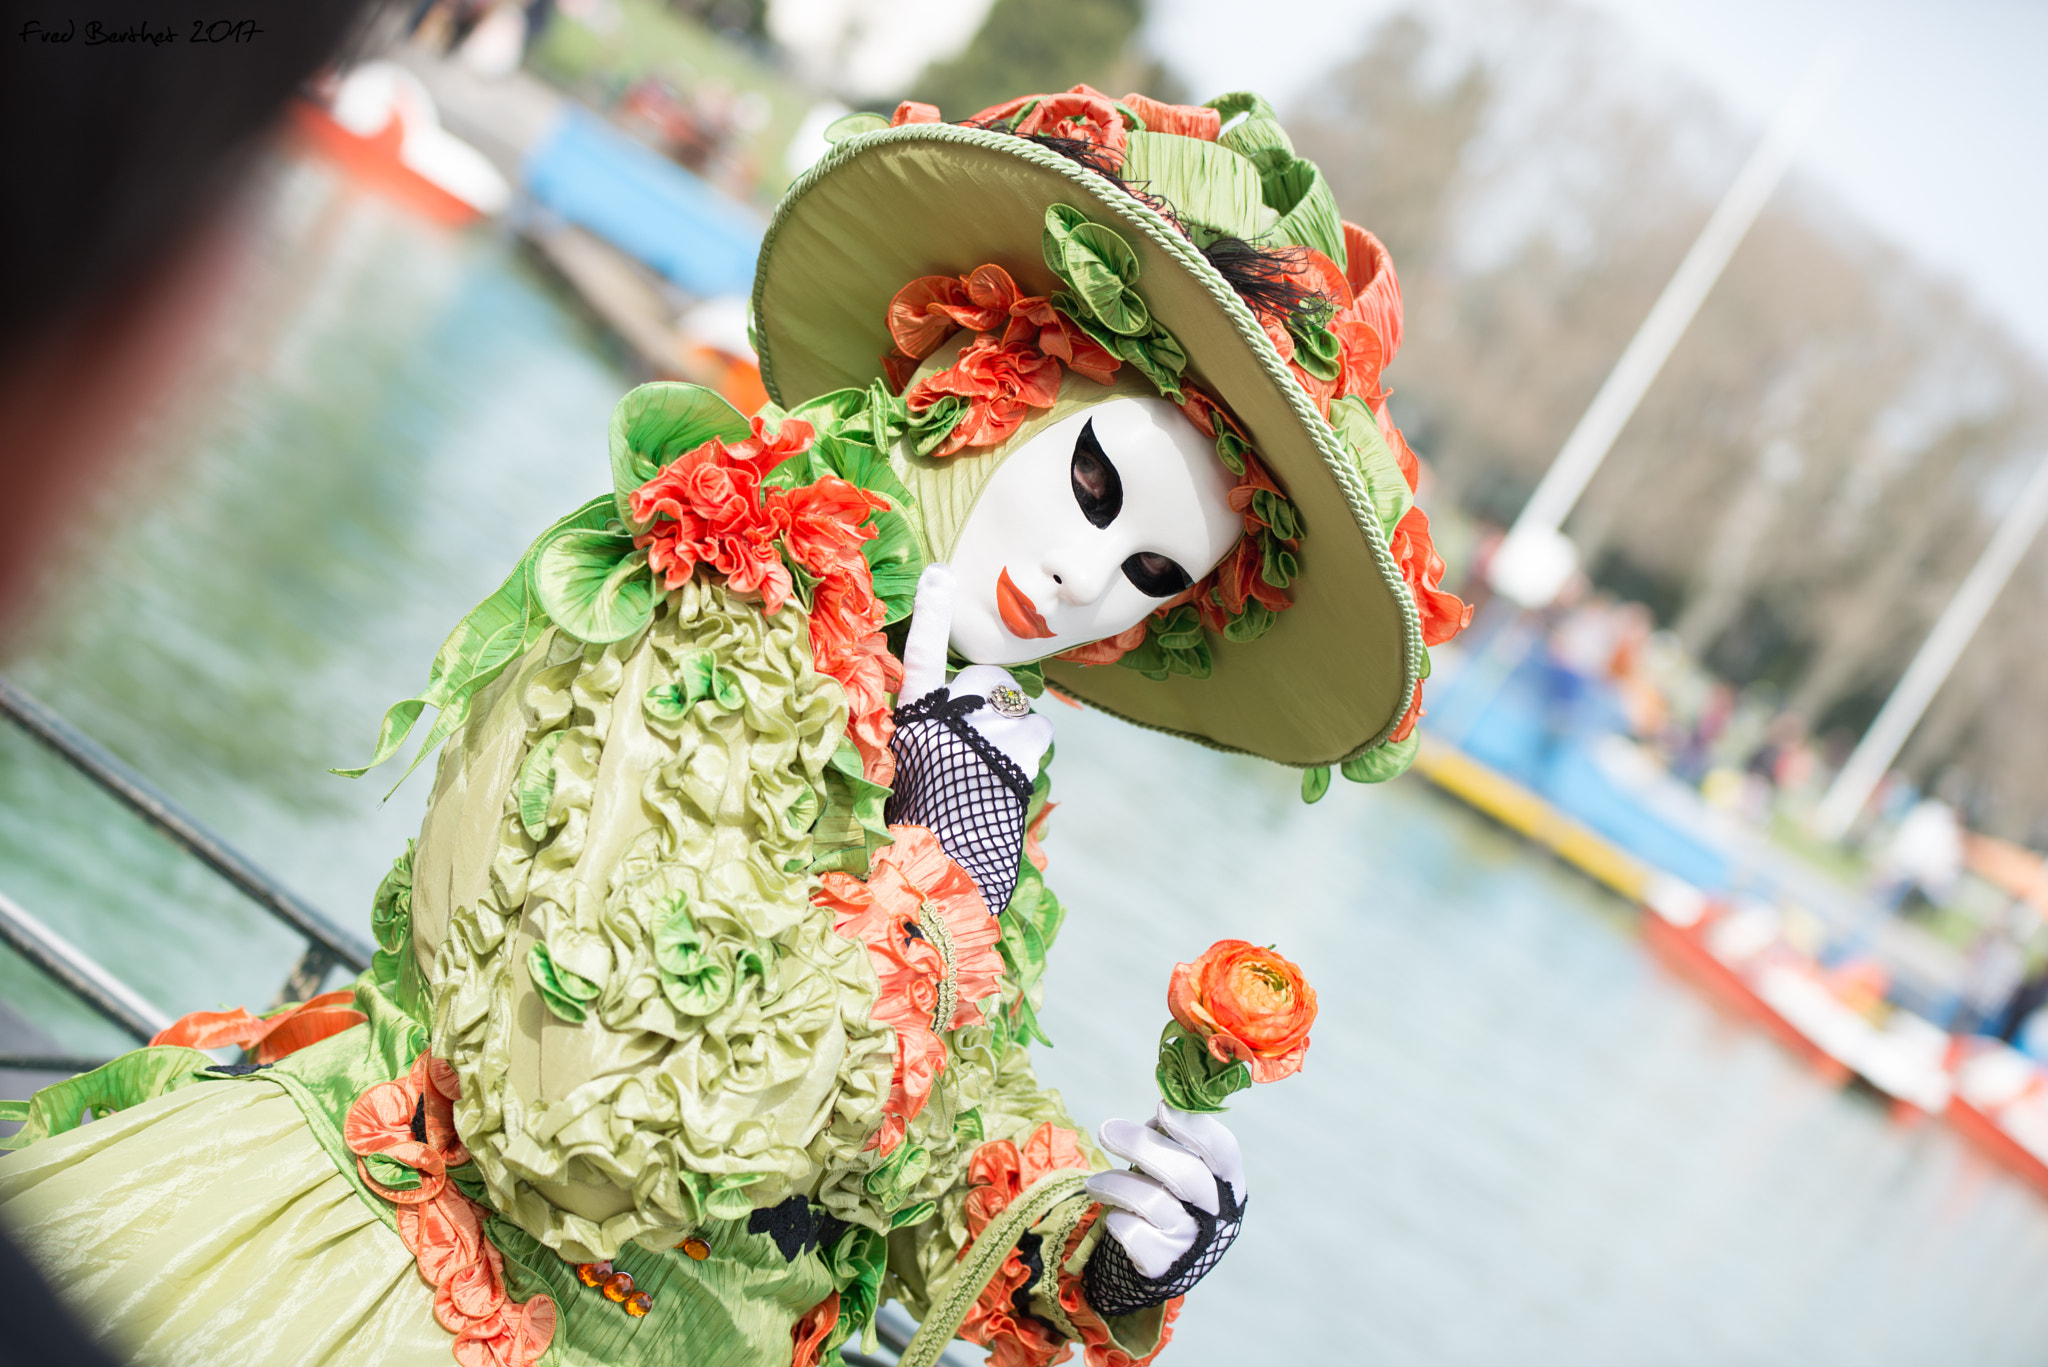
(1156, 575)
(1098, 488)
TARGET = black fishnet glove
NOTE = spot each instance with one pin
(1115, 1286)
(1176, 1210)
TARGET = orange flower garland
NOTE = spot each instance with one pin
(412, 1122)
(933, 945)
(1000, 1172)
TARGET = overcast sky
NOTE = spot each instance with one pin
(1935, 136)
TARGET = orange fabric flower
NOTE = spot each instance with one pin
(1108, 650)
(1246, 1003)
(1001, 383)
(1098, 1347)
(914, 111)
(909, 882)
(1035, 833)
(932, 308)
(705, 507)
(1083, 114)
(1410, 717)
(1182, 120)
(1375, 289)
(807, 1336)
(266, 1038)
(439, 1226)
(1000, 1172)
(1443, 614)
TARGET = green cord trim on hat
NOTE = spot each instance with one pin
(1265, 146)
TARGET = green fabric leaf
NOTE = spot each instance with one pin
(564, 992)
(1258, 136)
(851, 826)
(394, 968)
(1389, 759)
(496, 632)
(857, 1260)
(594, 585)
(1278, 565)
(1189, 1076)
(537, 785)
(1207, 184)
(1314, 783)
(894, 561)
(656, 423)
(1316, 348)
(697, 679)
(1297, 192)
(389, 1172)
(1255, 621)
(1099, 266)
(853, 125)
(899, 1176)
(694, 982)
(135, 1077)
(1385, 485)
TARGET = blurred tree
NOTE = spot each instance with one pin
(745, 19)
(1806, 483)
(1027, 46)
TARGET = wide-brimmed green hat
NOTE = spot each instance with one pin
(1332, 678)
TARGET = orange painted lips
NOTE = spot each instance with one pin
(1019, 613)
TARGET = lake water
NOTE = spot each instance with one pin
(1515, 1142)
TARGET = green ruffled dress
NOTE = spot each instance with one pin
(607, 929)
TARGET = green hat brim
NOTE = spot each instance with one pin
(1332, 678)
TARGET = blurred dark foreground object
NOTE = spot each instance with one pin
(35, 1331)
(125, 138)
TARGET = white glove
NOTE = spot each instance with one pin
(1179, 1156)
(1024, 739)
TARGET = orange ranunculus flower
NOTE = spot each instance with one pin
(1001, 384)
(1245, 1003)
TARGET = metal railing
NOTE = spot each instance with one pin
(327, 947)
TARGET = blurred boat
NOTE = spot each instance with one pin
(381, 127)
(2001, 1107)
(1837, 1021)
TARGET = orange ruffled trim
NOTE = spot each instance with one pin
(442, 1228)
(911, 880)
(1099, 1347)
(266, 1038)
(1000, 1172)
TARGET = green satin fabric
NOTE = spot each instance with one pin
(209, 1228)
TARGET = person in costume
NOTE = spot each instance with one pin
(701, 1020)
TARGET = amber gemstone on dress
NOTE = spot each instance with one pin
(639, 1303)
(696, 1248)
(593, 1274)
(618, 1286)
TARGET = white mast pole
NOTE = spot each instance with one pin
(1533, 539)
(1937, 656)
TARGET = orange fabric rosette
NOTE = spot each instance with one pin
(1241, 1014)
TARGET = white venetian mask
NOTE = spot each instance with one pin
(1086, 528)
